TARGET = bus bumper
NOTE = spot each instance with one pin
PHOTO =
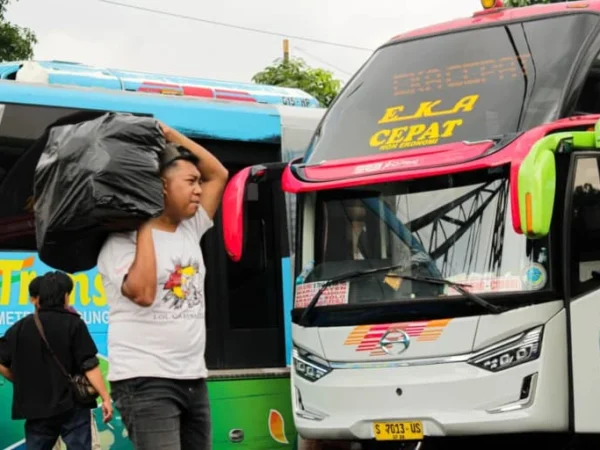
(453, 399)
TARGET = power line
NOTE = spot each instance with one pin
(222, 24)
(301, 50)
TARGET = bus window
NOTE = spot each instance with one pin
(20, 126)
(470, 85)
(589, 97)
(253, 302)
(244, 299)
(254, 330)
(585, 228)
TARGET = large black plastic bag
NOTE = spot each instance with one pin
(92, 178)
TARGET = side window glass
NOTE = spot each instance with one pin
(589, 98)
(20, 126)
(252, 297)
(549, 72)
(585, 232)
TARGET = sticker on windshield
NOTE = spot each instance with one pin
(433, 104)
(534, 276)
(485, 283)
(420, 134)
(333, 295)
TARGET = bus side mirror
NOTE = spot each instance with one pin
(536, 189)
(233, 210)
(536, 181)
(243, 187)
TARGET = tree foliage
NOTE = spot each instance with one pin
(295, 73)
(517, 3)
(16, 43)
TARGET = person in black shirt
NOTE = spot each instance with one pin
(42, 394)
(34, 296)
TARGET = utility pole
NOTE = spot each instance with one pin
(286, 50)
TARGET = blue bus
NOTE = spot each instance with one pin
(248, 302)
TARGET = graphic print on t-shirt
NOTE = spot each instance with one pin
(182, 287)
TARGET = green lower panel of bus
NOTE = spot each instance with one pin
(260, 408)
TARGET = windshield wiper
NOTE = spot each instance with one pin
(494, 309)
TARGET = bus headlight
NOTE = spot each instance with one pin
(309, 367)
(521, 349)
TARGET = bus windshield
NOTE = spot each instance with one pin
(462, 86)
(456, 227)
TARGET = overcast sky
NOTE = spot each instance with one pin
(96, 33)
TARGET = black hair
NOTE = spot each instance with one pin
(53, 288)
(65, 281)
(173, 153)
(34, 287)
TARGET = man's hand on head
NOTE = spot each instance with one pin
(169, 133)
(214, 174)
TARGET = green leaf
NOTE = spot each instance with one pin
(519, 3)
(295, 73)
(16, 43)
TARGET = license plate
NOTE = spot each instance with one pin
(398, 431)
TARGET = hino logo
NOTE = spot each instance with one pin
(394, 341)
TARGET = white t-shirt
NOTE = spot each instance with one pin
(167, 339)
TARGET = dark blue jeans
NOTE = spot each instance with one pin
(74, 427)
(162, 414)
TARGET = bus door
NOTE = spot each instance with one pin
(249, 383)
(581, 262)
(244, 309)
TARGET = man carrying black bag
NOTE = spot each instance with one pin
(154, 284)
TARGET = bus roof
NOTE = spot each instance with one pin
(486, 17)
(75, 74)
(196, 117)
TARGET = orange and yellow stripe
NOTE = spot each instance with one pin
(367, 337)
